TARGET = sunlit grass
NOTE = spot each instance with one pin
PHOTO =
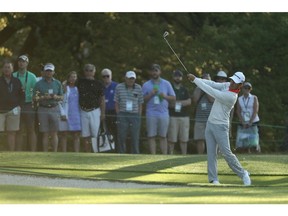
(187, 175)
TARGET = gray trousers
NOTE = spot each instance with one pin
(218, 134)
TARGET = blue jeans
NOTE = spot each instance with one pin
(128, 122)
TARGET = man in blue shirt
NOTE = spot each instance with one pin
(110, 113)
(157, 93)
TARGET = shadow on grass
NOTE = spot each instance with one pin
(164, 166)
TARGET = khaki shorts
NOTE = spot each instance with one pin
(179, 129)
(10, 121)
(90, 122)
(199, 130)
(157, 126)
(48, 119)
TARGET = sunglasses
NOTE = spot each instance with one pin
(89, 70)
(105, 76)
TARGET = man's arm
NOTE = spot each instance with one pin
(102, 107)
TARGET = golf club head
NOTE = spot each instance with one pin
(165, 34)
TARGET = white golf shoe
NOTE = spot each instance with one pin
(215, 182)
(246, 179)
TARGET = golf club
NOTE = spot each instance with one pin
(164, 36)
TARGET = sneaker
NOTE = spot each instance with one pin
(215, 182)
(246, 179)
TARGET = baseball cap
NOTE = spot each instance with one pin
(221, 74)
(247, 84)
(205, 76)
(49, 66)
(24, 58)
(130, 74)
(155, 67)
(238, 77)
(177, 73)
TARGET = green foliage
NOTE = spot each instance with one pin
(254, 43)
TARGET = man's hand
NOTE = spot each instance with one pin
(191, 77)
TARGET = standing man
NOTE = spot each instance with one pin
(110, 113)
(158, 93)
(179, 124)
(48, 91)
(128, 104)
(92, 104)
(217, 128)
(28, 114)
(222, 77)
(11, 99)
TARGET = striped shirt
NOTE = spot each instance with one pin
(129, 100)
(224, 100)
(203, 108)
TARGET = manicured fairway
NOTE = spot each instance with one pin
(186, 174)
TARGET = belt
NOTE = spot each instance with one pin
(88, 110)
(48, 106)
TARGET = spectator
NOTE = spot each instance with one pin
(35, 105)
(128, 104)
(92, 104)
(203, 103)
(48, 91)
(222, 77)
(70, 122)
(28, 114)
(11, 100)
(179, 123)
(157, 92)
(217, 128)
(247, 112)
(110, 113)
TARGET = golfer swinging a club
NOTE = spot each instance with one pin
(217, 128)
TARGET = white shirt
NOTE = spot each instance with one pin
(224, 99)
(247, 105)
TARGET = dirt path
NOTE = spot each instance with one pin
(25, 180)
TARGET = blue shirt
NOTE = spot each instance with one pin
(109, 96)
(152, 108)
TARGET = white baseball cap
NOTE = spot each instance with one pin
(24, 58)
(221, 74)
(238, 77)
(130, 74)
(49, 66)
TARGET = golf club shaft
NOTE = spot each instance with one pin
(176, 55)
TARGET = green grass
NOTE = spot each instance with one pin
(269, 174)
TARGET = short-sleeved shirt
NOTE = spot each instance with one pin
(161, 109)
(109, 96)
(43, 87)
(12, 94)
(123, 95)
(181, 94)
(28, 81)
(90, 93)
